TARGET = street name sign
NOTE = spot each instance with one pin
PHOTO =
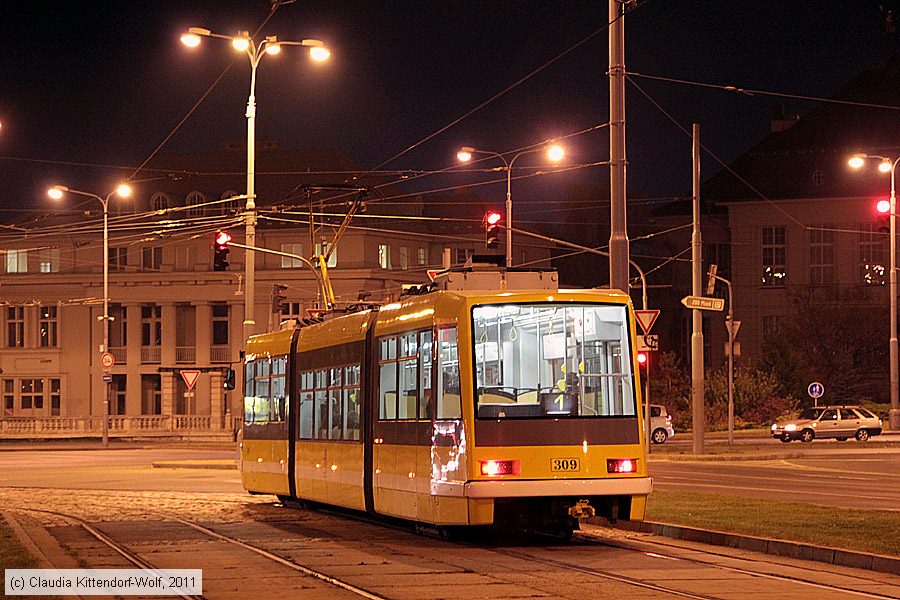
(702, 303)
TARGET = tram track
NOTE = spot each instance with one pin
(139, 562)
(528, 555)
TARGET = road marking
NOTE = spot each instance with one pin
(781, 490)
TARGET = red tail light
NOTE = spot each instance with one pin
(493, 468)
(621, 465)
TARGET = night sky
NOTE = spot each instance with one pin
(91, 85)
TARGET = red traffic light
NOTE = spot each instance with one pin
(492, 218)
(222, 238)
(642, 358)
(883, 206)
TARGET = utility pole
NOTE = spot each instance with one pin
(697, 408)
(618, 234)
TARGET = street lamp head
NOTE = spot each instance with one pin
(857, 161)
(885, 165)
(465, 154)
(191, 40)
(123, 190)
(272, 45)
(555, 153)
(241, 41)
(319, 53)
(56, 192)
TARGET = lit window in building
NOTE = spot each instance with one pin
(288, 262)
(48, 326)
(422, 257)
(774, 250)
(323, 248)
(384, 256)
(49, 260)
(17, 261)
(404, 257)
(821, 256)
(872, 254)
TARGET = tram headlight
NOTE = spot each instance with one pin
(621, 465)
(493, 468)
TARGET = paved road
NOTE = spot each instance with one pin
(841, 475)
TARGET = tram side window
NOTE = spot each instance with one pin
(425, 364)
(351, 403)
(320, 412)
(249, 388)
(278, 405)
(387, 381)
(449, 402)
(335, 420)
(262, 404)
(408, 368)
(305, 428)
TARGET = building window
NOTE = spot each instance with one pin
(422, 256)
(118, 259)
(48, 326)
(151, 258)
(291, 310)
(17, 261)
(771, 326)
(384, 256)
(185, 333)
(220, 324)
(49, 260)
(185, 258)
(117, 395)
(15, 326)
(872, 254)
(118, 327)
(821, 256)
(151, 325)
(462, 255)
(773, 256)
(323, 248)
(404, 258)
(31, 394)
(151, 395)
(159, 202)
(55, 397)
(718, 253)
(291, 263)
(195, 204)
(9, 397)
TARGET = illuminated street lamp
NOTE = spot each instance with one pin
(887, 165)
(271, 45)
(123, 190)
(554, 152)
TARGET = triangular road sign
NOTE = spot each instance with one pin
(646, 318)
(190, 378)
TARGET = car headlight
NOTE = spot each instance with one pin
(790, 427)
(774, 426)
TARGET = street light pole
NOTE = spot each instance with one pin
(123, 190)
(887, 164)
(270, 45)
(554, 153)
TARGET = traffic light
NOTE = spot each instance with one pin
(883, 208)
(279, 299)
(642, 359)
(220, 251)
(491, 228)
(228, 380)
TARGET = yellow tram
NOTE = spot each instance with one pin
(455, 407)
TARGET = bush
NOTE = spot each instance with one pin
(757, 400)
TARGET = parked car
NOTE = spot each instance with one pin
(840, 422)
(660, 424)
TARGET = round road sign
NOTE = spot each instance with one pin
(107, 360)
(815, 390)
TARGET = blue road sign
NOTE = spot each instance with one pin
(815, 390)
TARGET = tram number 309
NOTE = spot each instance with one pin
(565, 464)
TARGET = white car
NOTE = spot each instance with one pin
(660, 424)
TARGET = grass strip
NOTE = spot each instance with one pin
(12, 554)
(875, 531)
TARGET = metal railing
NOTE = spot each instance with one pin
(151, 354)
(185, 354)
(220, 354)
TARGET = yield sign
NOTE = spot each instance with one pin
(646, 318)
(190, 378)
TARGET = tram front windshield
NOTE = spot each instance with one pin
(552, 361)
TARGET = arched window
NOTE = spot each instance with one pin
(193, 202)
(232, 205)
(160, 201)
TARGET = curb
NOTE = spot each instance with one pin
(833, 556)
(227, 465)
